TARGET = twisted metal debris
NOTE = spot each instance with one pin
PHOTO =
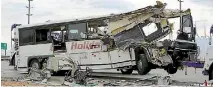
(75, 74)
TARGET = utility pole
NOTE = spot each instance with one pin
(29, 7)
(181, 19)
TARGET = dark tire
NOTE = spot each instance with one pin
(126, 71)
(143, 65)
(54, 73)
(210, 73)
(12, 61)
(171, 69)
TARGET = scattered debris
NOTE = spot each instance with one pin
(164, 80)
(75, 74)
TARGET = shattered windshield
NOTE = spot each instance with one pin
(187, 26)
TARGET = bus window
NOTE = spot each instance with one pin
(41, 35)
(26, 37)
(95, 32)
(77, 31)
(149, 29)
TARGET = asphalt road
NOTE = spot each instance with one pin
(8, 71)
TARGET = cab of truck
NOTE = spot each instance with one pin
(208, 66)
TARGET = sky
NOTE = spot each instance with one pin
(14, 11)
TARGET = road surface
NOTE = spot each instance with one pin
(8, 71)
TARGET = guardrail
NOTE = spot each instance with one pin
(5, 57)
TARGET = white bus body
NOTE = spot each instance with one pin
(80, 52)
(127, 47)
(87, 53)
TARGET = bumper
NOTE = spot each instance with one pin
(193, 64)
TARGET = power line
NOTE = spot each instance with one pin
(29, 14)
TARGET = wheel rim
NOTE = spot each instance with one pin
(35, 65)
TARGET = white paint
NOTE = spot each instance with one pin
(203, 43)
(209, 58)
(78, 51)
(32, 50)
(209, 54)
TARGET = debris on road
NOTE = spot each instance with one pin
(75, 75)
(15, 83)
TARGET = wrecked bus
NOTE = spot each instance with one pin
(116, 41)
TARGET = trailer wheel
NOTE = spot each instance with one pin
(171, 69)
(142, 65)
(126, 71)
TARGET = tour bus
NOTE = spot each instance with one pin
(110, 42)
(35, 44)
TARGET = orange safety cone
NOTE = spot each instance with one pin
(205, 83)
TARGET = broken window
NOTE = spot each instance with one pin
(77, 31)
(41, 35)
(26, 36)
(95, 32)
(149, 29)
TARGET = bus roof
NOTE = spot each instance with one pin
(66, 21)
(100, 19)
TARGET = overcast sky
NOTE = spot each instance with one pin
(14, 11)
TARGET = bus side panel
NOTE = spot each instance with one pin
(100, 60)
(114, 56)
(33, 50)
(83, 46)
(91, 54)
(209, 57)
(21, 61)
(121, 58)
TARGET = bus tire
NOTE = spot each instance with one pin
(210, 72)
(35, 64)
(54, 73)
(171, 69)
(126, 71)
(12, 60)
(142, 65)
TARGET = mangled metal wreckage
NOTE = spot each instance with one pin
(128, 32)
(126, 47)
